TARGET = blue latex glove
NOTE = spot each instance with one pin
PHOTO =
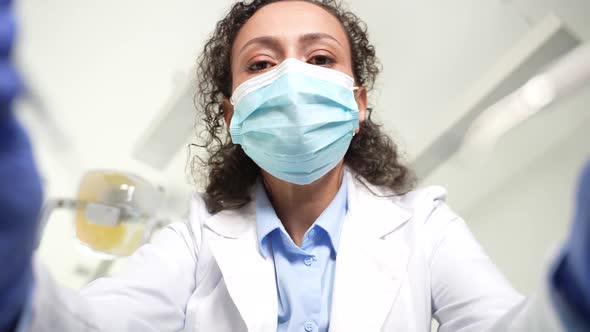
(20, 202)
(20, 189)
(572, 276)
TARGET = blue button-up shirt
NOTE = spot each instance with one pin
(304, 275)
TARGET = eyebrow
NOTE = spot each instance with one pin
(315, 36)
(268, 41)
(273, 43)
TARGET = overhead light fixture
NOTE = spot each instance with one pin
(543, 45)
(566, 76)
(115, 212)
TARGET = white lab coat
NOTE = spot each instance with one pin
(402, 261)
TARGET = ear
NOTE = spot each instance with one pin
(360, 95)
(228, 111)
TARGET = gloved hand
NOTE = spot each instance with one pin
(572, 277)
(20, 189)
(20, 202)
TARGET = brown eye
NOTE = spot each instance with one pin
(321, 60)
(259, 66)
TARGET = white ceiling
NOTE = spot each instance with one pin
(106, 69)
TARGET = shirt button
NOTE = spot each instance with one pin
(308, 326)
(308, 261)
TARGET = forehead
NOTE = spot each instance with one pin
(290, 19)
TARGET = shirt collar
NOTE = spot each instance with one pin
(330, 220)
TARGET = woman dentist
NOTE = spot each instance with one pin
(309, 221)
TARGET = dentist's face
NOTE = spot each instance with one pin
(291, 29)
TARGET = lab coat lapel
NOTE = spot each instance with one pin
(248, 276)
(369, 269)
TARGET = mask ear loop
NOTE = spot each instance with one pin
(354, 89)
(369, 109)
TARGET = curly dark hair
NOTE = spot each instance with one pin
(229, 173)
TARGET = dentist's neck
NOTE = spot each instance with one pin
(298, 206)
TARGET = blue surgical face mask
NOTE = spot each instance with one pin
(295, 121)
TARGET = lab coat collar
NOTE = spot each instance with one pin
(369, 270)
(248, 275)
(381, 206)
(364, 199)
